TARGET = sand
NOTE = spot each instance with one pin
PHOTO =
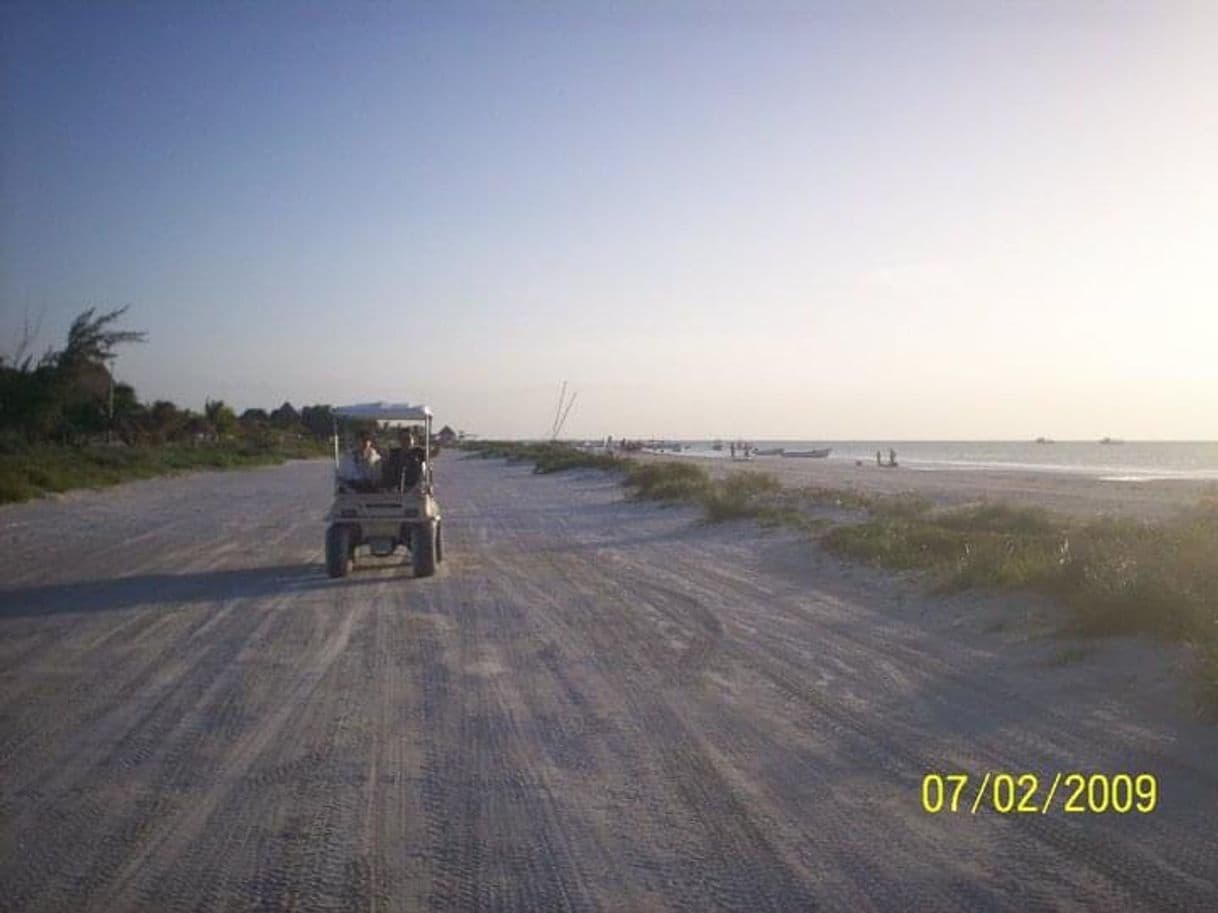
(594, 705)
(1077, 495)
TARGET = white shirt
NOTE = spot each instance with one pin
(355, 467)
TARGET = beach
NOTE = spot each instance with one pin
(1075, 494)
(595, 704)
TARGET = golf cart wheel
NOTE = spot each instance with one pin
(338, 551)
(439, 541)
(423, 550)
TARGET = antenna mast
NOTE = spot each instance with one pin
(562, 410)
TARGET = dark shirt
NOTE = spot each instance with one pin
(405, 466)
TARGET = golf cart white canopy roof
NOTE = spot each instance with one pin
(385, 412)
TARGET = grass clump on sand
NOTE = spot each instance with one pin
(740, 495)
(988, 545)
(27, 471)
(668, 481)
(1116, 576)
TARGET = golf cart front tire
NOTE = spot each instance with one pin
(423, 550)
(338, 550)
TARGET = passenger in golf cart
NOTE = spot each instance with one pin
(360, 467)
(384, 503)
(404, 466)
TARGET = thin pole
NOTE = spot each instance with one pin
(110, 407)
(565, 414)
(562, 394)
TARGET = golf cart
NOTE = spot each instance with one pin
(390, 503)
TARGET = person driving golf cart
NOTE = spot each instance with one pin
(383, 505)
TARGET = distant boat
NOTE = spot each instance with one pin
(771, 451)
(1111, 440)
(718, 445)
(815, 454)
(1045, 440)
(662, 446)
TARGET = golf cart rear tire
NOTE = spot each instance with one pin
(338, 551)
(423, 550)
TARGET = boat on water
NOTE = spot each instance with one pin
(1045, 440)
(1111, 440)
(663, 446)
(814, 454)
(769, 451)
(717, 445)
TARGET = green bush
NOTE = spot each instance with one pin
(901, 506)
(1000, 518)
(1115, 575)
(897, 543)
(15, 486)
(844, 498)
(13, 442)
(738, 496)
(668, 481)
(1122, 576)
(45, 467)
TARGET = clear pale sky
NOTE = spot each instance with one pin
(852, 220)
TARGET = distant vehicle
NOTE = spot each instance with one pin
(388, 513)
(814, 454)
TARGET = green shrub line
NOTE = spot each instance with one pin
(1116, 576)
(28, 471)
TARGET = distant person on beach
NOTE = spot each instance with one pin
(733, 448)
(878, 459)
(892, 457)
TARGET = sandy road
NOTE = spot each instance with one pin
(594, 705)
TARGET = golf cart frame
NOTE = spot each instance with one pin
(385, 517)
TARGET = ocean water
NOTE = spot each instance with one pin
(1131, 460)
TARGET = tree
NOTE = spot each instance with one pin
(165, 418)
(285, 416)
(66, 392)
(254, 417)
(91, 342)
(319, 420)
(197, 426)
(221, 418)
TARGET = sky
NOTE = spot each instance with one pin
(786, 221)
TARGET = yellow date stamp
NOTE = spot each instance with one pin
(1007, 793)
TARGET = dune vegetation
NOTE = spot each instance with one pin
(65, 422)
(27, 471)
(1115, 576)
